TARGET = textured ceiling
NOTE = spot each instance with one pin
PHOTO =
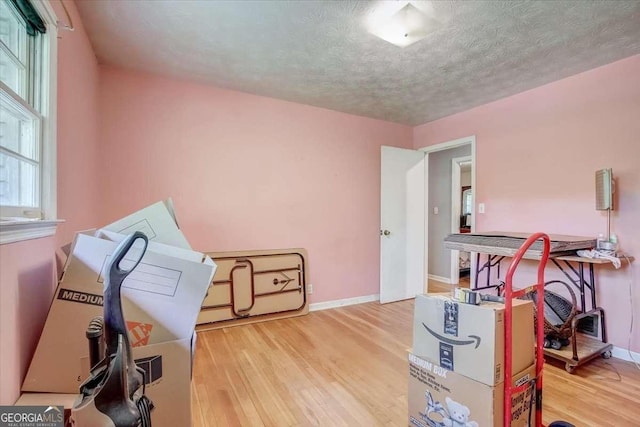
(320, 52)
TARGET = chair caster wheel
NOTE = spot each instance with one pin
(556, 344)
(607, 354)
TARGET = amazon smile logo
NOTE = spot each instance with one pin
(474, 338)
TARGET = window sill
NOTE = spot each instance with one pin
(12, 231)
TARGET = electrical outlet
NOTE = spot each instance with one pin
(310, 288)
(481, 208)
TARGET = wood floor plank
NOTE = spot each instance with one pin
(348, 367)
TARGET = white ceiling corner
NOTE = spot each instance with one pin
(320, 52)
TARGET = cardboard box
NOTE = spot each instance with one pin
(152, 367)
(170, 392)
(49, 399)
(168, 389)
(169, 385)
(157, 222)
(469, 339)
(437, 394)
(161, 300)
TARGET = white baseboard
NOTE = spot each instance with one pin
(440, 279)
(623, 353)
(343, 302)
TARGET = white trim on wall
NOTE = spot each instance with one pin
(49, 189)
(624, 354)
(440, 279)
(16, 231)
(343, 302)
(426, 223)
(453, 144)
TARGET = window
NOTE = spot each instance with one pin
(28, 42)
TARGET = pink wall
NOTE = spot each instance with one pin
(248, 172)
(535, 161)
(79, 199)
(27, 269)
(27, 277)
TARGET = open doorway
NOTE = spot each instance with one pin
(444, 208)
(416, 215)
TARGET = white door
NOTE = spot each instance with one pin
(402, 224)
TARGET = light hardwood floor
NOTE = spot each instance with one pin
(348, 367)
(435, 286)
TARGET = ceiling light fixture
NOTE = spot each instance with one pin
(402, 27)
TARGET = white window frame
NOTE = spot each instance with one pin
(18, 230)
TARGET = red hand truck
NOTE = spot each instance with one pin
(509, 295)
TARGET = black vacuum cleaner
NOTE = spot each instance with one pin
(114, 393)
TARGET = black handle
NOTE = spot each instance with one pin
(115, 271)
(115, 275)
(114, 323)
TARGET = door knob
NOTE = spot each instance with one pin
(385, 232)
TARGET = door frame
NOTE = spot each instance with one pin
(441, 147)
(456, 210)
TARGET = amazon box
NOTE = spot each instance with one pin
(439, 397)
(469, 339)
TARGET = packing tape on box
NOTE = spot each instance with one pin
(467, 296)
